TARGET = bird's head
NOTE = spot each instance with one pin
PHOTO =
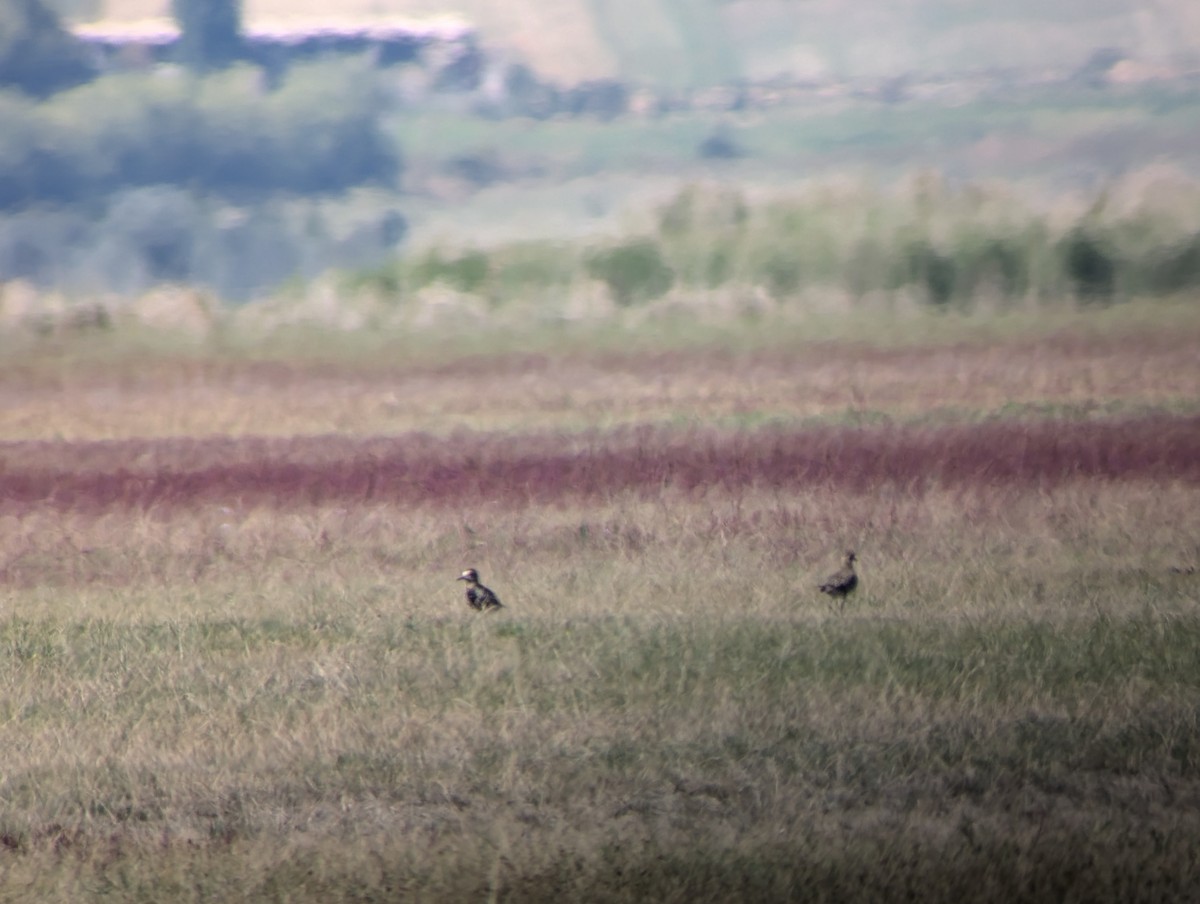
(851, 558)
(470, 575)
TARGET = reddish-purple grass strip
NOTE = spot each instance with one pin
(470, 468)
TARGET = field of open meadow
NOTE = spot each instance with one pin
(236, 664)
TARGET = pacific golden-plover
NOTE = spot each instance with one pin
(480, 598)
(842, 582)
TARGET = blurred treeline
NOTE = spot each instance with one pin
(224, 135)
(946, 246)
(239, 181)
(183, 174)
(132, 180)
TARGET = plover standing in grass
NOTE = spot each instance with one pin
(479, 597)
(842, 582)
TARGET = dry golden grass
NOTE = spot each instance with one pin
(271, 699)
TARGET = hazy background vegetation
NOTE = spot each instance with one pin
(592, 124)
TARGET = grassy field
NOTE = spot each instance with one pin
(236, 663)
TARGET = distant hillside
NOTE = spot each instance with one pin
(684, 43)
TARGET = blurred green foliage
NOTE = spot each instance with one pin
(225, 134)
(466, 272)
(162, 233)
(500, 275)
(132, 179)
(949, 248)
(634, 270)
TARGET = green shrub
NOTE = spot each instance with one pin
(533, 266)
(718, 268)
(782, 274)
(466, 272)
(696, 209)
(931, 271)
(634, 271)
(1090, 265)
(868, 267)
(386, 280)
(1175, 268)
(989, 262)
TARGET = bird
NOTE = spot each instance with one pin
(480, 598)
(842, 582)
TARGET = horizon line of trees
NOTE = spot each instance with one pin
(227, 133)
(182, 174)
(229, 130)
(949, 249)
